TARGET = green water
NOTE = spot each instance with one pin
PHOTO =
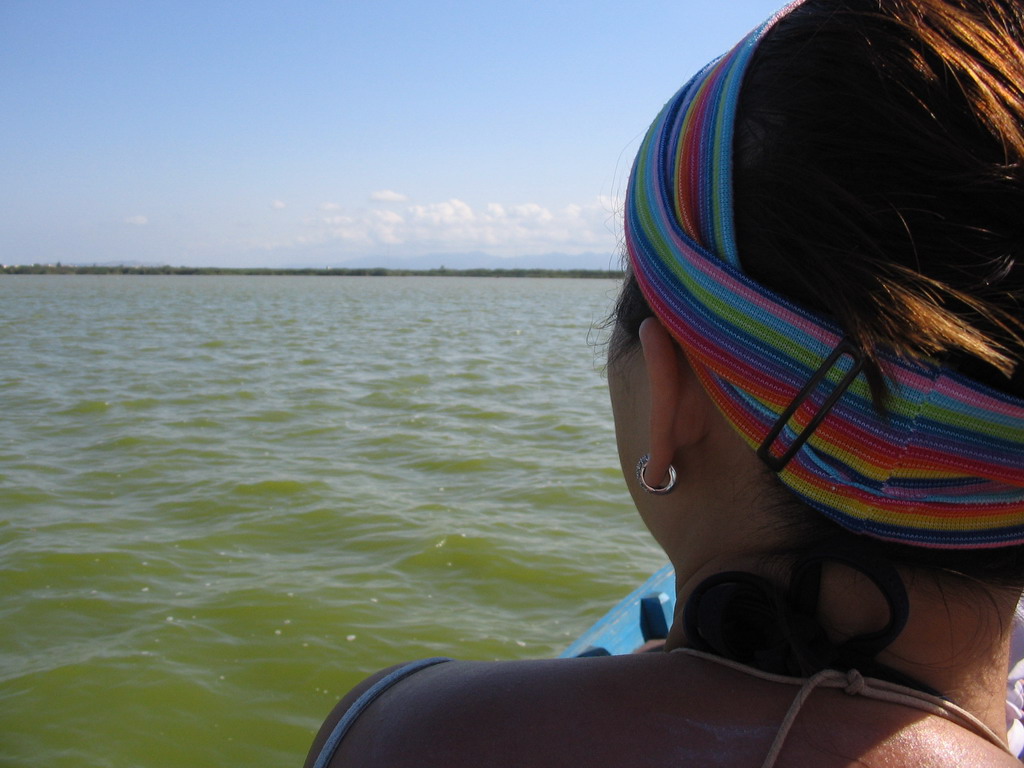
(224, 500)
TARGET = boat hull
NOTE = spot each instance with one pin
(645, 614)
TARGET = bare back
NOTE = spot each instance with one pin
(645, 710)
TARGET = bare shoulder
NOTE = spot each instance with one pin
(500, 713)
(340, 709)
(645, 710)
(838, 730)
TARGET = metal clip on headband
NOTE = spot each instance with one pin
(764, 451)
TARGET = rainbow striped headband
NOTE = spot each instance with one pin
(944, 467)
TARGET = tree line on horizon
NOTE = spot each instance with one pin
(77, 269)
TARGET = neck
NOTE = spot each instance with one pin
(956, 640)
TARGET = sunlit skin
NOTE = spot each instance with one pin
(717, 519)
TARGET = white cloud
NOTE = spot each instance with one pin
(388, 196)
(451, 213)
(330, 207)
(454, 225)
(279, 205)
(138, 221)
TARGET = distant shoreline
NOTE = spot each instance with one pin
(67, 269)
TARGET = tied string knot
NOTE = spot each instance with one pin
(851, 682)
(854, 683)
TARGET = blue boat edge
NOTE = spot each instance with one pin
(644, 614)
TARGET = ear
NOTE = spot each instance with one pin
(676, 418)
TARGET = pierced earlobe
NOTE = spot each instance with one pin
(653, 489)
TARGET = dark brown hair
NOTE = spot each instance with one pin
(879, 174)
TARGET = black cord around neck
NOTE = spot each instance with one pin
(746, 618)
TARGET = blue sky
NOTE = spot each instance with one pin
(354, 132)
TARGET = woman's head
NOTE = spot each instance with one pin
(874, 195)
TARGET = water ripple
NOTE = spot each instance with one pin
(227, 499)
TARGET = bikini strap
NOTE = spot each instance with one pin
(370, 695)
(853, 683)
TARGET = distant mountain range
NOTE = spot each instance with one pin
(486, 261)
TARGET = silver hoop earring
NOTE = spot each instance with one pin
(655, 490)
